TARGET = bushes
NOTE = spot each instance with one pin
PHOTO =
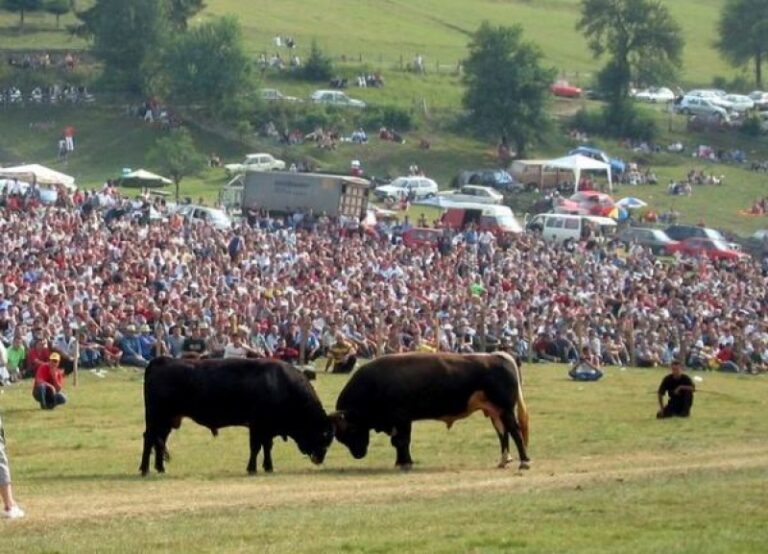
(391, 117)
(308, 117)
(628, 122)
(318, 66)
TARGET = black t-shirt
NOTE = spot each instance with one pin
(670, 383)
(191, 344)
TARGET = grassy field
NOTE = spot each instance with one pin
(382, 33)
(606, 477)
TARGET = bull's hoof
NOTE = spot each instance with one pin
(505, 462)
(268, 469)
(525, 464)
(144, 472)
(405, 467)
(251, 471)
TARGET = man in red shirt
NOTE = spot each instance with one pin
(49, 379)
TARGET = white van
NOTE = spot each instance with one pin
(491, 217)
(561, 227)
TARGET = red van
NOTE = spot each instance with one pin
(421, 236)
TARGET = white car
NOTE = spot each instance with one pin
(655, 94)
(760, 99)
(274, 95)
(474, 193)
(697, 105)
(205, 214)
(335, 98)
(715, 96)
(404, 187)
(256, 162)
(739, 102)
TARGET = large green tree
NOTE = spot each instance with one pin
(208, 64)
(22, 7)
(128, 36)
(177, 156)
(506, 85)
(642, 42)
(743, 34)
(181, 11)
(58, 8)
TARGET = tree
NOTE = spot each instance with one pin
(318, 66)
(506, 85)
(177, 156)
(23, 7)
(128, 36)
(642, 42)
(208, 64)
(743, 34)
(181, 11)
(58, 8)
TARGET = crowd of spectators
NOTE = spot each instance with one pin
(123, 289)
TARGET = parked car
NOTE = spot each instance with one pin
(565, 90)
(256, 162)
(760, 99)
(655, 95)
(474, 193)
(404, 187)
(421, 236)
(696, 105)
(205, 214)
(711, 248)
(274, 95)
(655, 239)
(335, 98)
(739, 102)
(617, 166)
(682, 232)
(496, 178)
(716, 96)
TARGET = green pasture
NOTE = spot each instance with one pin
(388, 34)
(606, 477)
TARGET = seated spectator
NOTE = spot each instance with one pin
(285, 353)
(341, 356)
(38, 354)
(175, 342)
(111, 352)
(130, 345)
(195, 346)
(147, 342)
(237, 348)
(17, 354)
(584, 368)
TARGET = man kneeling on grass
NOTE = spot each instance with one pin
(49, 379)
(680, 389)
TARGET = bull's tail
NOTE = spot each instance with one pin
(523, 420)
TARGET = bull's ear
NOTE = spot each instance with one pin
(310, 374)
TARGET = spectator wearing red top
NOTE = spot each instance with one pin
(49, 379)
(38, 355)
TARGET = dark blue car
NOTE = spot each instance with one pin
(617, 166)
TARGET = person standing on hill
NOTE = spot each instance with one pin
(11, 510)
(680, 389)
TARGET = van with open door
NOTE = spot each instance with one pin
(497, 219)
(561, 227)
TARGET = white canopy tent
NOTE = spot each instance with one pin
(143, 178)
(38, 173)
(578, 163)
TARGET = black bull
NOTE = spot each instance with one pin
(269, 397)
(391, 392)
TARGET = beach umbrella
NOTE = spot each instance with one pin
(618, 213)
(631, 203)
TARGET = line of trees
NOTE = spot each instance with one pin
(23, 7)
